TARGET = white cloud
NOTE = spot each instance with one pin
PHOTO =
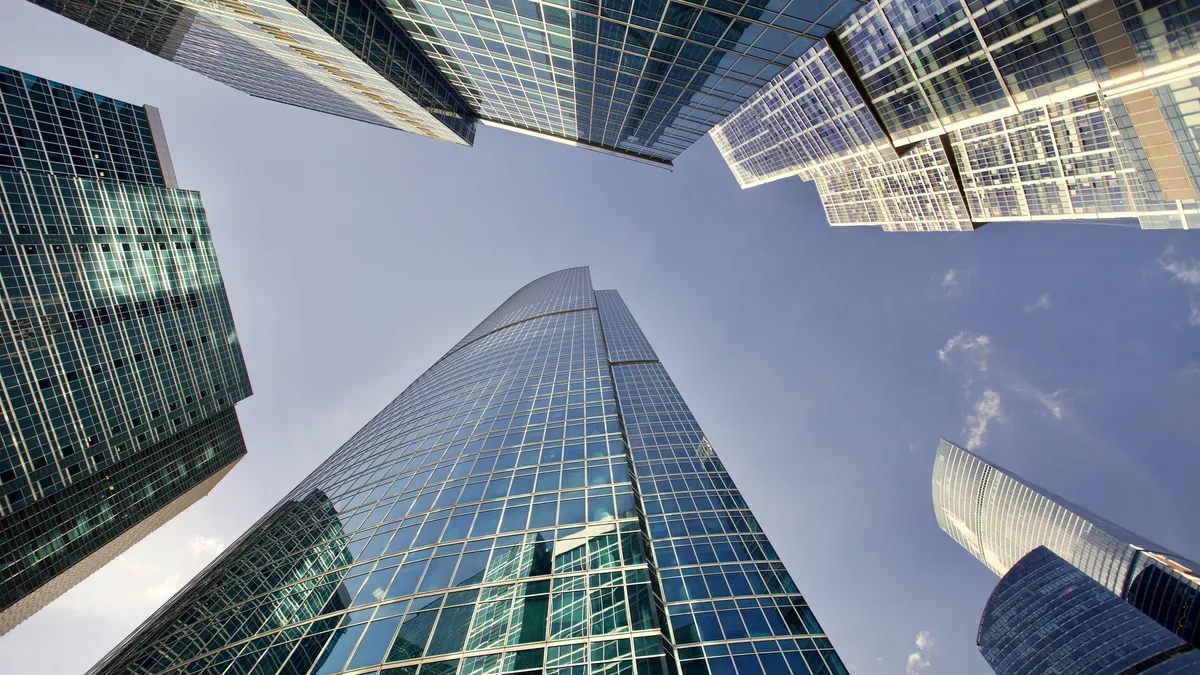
(1053, 402)
(976, 347)
(1043, 302)
(987, 410)
(919, 660)
(1185, 273)
(163, 590)
(205, 545)
(951, 282)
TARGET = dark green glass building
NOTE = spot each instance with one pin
(119, 362)
(539, 501)
(640, 78)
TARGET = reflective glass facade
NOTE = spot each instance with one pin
(119, 362)
(1050, 109)
(1046, 616)
(342, 57)
(640, 78)
(999, 518)
(539, 501)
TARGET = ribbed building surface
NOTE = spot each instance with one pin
(1018, 110)
(1000, 518)
(119, 362)
(1047, 617)
(539, 501)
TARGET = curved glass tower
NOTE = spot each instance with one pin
(1046, 616)
(1000, 518)
(540, 500)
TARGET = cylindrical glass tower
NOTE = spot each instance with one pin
(540, 500)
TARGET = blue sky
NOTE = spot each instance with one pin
(824, 363)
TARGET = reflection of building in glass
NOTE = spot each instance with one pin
(266, 586)
(642, 79)
(120, 363)
(1000, 518)
(1043, 110)
(1046, 616)
(502, 515)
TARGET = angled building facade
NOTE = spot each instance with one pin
(1000, 518)
(119, 363)
(643, 79)
(1046, 616)
(539, 501)
(1043, 110)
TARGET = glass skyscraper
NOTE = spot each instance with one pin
(1047, 617)
(640, 78)
(119, 363)
(539, 501)
(919, 115)
(999, 518)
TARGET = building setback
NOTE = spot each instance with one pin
(539, 501)
(640, 78)
(942, 115)
(1000, 518)
(119, 363)
(1046, 616)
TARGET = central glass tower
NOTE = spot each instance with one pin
(539, 501)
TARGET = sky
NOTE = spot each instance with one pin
(823, 363)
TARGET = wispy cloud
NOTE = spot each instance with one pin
(201, 545)
(1186, 272)
(951, 283)
(1043, 302)
(977, 348)
(973, 352)
(987, 410)
(919, 660)
(1054, 402)
(163, 590)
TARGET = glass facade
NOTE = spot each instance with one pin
(119, 362)
(539, 501)
(1046, 616)
(342, 57)
(999, 518)
(1047, 110)
(640, 78)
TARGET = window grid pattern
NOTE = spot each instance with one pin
(486, 521)
(119, 361)
(647, 77)
(800, 123)
(733, 607)
(562, 291)
(1057, 161)
(999, 519)
(1046, 616)
(622, 336)
(363, 68)
(47, 539)
(959, 69)
(50, 127)
(916, 193)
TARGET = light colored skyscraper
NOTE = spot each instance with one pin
(1015, 110)
(999, 518)
(119, 362)
(540, 501)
